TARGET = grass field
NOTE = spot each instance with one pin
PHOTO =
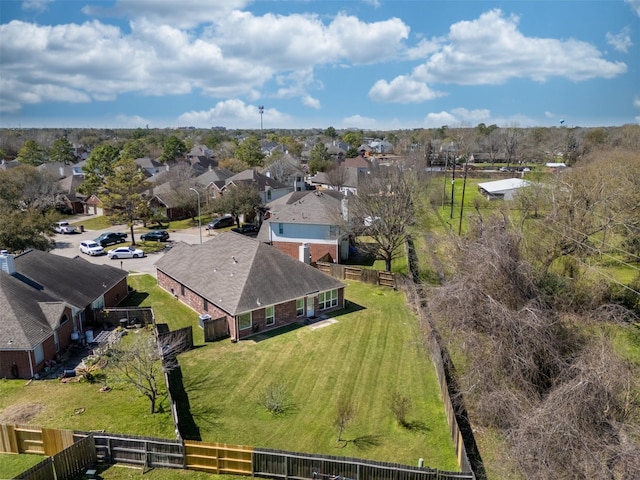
(11, 465)
(369, 352)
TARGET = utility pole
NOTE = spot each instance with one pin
(199, 218)
(464, 186)
(453, 180)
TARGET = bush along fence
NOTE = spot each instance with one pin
(93, 448)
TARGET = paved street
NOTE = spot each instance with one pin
(68, 245)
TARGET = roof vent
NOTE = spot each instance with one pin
(234, 259)
(6, 262)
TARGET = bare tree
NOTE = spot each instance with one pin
(510, 142)
(337, 176)
(345, 413)
(385, 204)
(142, 362)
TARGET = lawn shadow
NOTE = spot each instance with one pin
(187, 426)
(349, 307)
(134, 299)
(364, 442)
(416, 426)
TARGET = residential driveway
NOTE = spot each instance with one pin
(68, 245)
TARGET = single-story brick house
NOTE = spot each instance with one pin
(44, 300)
(251, 284)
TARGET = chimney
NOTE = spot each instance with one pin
(6, 262)
(61, 171)
(303, 253)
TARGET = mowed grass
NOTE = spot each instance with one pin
(366, 355)
(11, 465)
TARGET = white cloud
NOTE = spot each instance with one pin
(402, 89)
(309, 101)
(360, 122)
(423, 49)
(373, 3)
(471, 116)
(131, 121)
(620, 41)
(635, 5)
(549, 114)
(636, 102)
(234, 113)
(490, 50)
(182, 14)
(36, 5)
(235, 54)
(435, 120)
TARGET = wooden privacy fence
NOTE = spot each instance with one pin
(215, 328)
(298, 466)
(136, 450)
(364, 275)
(218, 458)
(134, 315)
(65, 460)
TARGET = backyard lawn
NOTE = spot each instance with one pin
(363, 355)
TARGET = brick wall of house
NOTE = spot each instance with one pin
(316, 250)
(117, 294)
(285, 313)
(20, 358)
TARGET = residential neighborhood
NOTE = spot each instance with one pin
(322, 264)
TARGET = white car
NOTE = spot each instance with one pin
(125, 252)
(91, 248)
(64, 227)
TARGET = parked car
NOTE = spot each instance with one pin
(111, 238)
(155, 236)
(221, 222)
(64, 227)
(125, 252)
(248, 229)
(91, 248)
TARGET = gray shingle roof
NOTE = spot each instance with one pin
(74, 280)
(27, 316)
(239, 274)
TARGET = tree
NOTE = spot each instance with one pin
(123, 194)
(319, 159)
(239, 199)
(385, 204)
(173, 148)
(233, 165)
(337, 176)
(511, 141)
(181, 179)
(250, 152)
(331, 133)
(98, 167)
(142, 363)
(62, 151)
(26, 200)
(345, 413)
(353, 138)
(134, 149)
(32, 154)
(292, 146)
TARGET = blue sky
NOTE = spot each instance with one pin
(367, 64)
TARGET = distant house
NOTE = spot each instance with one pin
(73, 200)
(502, 189)
(165, 202)
(553, 166)
(213, 181)
(286, 172)
(348, 184)
(268, 188)
(44, 300)
(150, 165)
(251, 285)
(94, 206)
(310, 223)
(381, 146)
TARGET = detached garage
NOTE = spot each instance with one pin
(502, 189)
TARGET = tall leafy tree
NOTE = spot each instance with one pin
(319, 159)
(31, 153)
(240, 199)
(62, 151)
(26, 200)
(172, 149)
(385, 204)
(123, 197)
(135, 148)
(353, 138)
(98, 167)
(331, 133)
(250, 152)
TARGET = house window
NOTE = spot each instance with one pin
(270, 315)
(205, 305)
(280, 228)
(299, 307)
(56, 341)
(268, 194)
(244, 321)
(328, 299)
(182, 290)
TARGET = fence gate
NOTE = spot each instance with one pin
(218, 458)
(215, 328)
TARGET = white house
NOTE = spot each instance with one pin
(502, 189)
